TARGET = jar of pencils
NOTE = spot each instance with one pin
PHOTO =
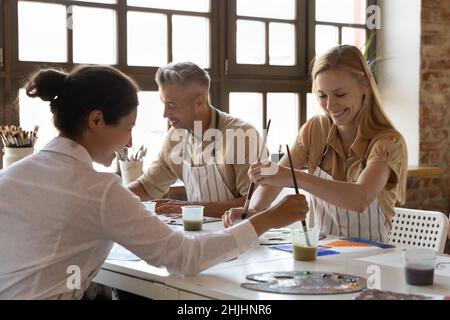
(11, 155)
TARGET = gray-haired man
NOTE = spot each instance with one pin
(213, 168)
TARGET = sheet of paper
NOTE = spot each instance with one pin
(395, 259)
(340, 246)
(120, 253)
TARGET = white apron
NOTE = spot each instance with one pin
(204, 183)
(371, 224)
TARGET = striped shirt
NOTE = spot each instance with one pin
(320, 135)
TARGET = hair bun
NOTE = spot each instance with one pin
(46, 84)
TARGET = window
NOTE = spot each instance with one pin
(282, 108)
(340, 22)
(150, 127)
(42, 41)
(312, 106)
(249, 107)
(147, 38)
(257, 55)
(267, 38)
(159, 33)
(94, 45)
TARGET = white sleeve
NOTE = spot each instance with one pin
(125, 221)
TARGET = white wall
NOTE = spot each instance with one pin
(398, 45)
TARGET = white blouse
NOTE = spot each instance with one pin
(57, 212)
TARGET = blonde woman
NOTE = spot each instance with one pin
(355, 157)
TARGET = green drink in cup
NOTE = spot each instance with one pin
(192, 217)
(301, 249)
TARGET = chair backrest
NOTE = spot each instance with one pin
(413, 228)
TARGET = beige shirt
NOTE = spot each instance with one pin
(234, 156)
(58, 215)
(319, 144)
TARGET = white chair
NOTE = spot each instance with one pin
(413, 228)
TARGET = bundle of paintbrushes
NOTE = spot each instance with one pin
(16, 137)
(138, 156)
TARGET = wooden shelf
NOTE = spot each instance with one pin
(425, 171)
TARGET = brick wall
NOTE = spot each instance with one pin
(434, 192)
(427, 193)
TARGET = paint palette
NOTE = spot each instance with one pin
(305, 283)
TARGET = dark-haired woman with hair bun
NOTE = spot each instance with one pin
(58, 215)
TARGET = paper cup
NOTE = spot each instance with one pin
(301, 249)
(419, 266)
(192, 217)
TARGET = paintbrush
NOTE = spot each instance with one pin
(305, 230)
(251, 188)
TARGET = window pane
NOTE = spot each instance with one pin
(191, 40)
(36, 112)
(42, 32)
(354, 36)
(312, 106)
(342, 11)
(247, 106)
(151, 127)
(282, 109)
(185, 5)
(282, 44)
(94, 44)
(250, 42)
(326, 37)
(281, 9)
(147, 39)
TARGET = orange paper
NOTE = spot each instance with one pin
(345, 243)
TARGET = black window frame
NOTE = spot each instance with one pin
(226, 75)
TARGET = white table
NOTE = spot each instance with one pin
(223, 281)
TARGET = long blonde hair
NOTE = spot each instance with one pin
(371, 118)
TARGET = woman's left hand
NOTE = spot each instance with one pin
(166, 206)
(270, 173)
